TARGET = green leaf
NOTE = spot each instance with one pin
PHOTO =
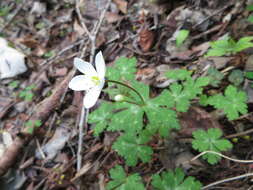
(4, 11)
(29, 96)
(22, 94)
(175, 181)
(236, 77)
(215, 76)
(124, 69)
(30, 130)
(120, 181)
(30, 87)
(100, 117)
(120, 119)
(154, 108)
(29, 123)
(180, 98)
(249, 8)
(50, 53)
(227, 46)
(249, 75)
(132, 147)
(181, 37)
(37, 123)
(178, 74)
(210, 141)
(233, 103)
(161, 118)
(182, 94)
(203, 100)
(250, 18)
(221, 47)
(243, 43)
(14, 84)
(216, 52)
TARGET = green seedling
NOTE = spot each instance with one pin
(4, 11)
(229, 46)
(14, 84)
(49, 54)
(31, 125)
(27, 93)
(250, 8)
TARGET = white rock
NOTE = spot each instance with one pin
(12, 62)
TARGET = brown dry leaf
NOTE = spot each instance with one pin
(122, 5)
(146, 39)
(112, 17)
(196, 118)
(146, 75)
(195, 51)
(60, 72)
(56, 143)
(100, 40)
(78, 28)
(28, 41)
(201, 49)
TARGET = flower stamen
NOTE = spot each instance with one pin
(95, 79)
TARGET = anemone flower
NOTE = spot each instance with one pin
(92, 80)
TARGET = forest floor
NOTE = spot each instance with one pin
(52, 33)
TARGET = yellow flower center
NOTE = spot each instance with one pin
(95, 79)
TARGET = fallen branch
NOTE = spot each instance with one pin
(42, 113)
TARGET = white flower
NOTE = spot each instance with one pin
(92, 81)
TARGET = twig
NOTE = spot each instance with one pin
(239, 134)
(51, 59)
(96, 29)
(227, 180)
(82, 20)
(92, 36)
(82, 122)
(221, 155)
(215, 13)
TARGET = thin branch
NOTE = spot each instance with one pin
(82, 20)
(82, 122)
(226, 157)
(85, 112)
(96, 30)
(221, 155)
(239, 134)
(51, 59)
(227, 180)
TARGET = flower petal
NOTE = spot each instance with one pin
(92, 95)
(84, 67)
(81, 82)
(100, 65)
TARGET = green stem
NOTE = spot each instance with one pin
(131, 88)
(130, 102)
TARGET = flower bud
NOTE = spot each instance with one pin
(119, 98)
